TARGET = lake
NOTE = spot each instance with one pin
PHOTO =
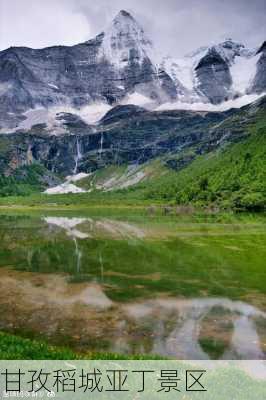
(133, 283)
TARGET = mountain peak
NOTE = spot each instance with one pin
(124, 14)
(125, 41)
(230, 49)
(123, 20)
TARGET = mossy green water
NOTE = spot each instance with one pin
(174, 257)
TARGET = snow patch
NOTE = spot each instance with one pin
(90, 114)
(137, 99)
(53, 86)
(241, 61)
(183, 69)
(77, 177)
(229, 49)
(243, 72)
(34, 117)
(68, 186)
(132, 175)
(64, 188)
(93, 113)
(198, 106)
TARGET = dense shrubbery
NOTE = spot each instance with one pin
(233, 177)
(25, 181)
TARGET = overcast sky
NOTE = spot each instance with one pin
(175, 26)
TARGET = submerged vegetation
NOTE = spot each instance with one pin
(71, 268)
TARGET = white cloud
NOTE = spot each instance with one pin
(41, 23)
(177, 27)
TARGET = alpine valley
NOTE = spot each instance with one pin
(132, 209)
(112, 119)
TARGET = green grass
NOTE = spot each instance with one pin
(17, 348)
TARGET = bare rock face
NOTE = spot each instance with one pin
(218, 73)
(259, 83)
(214, 77)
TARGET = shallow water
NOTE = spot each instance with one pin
(135, 284)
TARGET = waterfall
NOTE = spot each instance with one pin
(78, 155)
(101, 144)
(29, 156)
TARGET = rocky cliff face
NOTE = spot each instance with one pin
(259, 83)
(125, 135)
(214, 78)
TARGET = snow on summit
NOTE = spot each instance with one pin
(120, 66)
(241, 63)
(123, 39)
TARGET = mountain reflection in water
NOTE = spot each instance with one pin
(103, 284)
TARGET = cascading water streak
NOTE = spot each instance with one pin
(101, 145)
(78, 156)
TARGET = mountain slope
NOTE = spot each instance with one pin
(26, 180)
(127, 134)
(224, 164)
(232, 176)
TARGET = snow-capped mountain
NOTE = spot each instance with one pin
(215, 74)
(125, 41)
(115, 66)
(120, 66)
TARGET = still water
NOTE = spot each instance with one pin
(135, 284)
